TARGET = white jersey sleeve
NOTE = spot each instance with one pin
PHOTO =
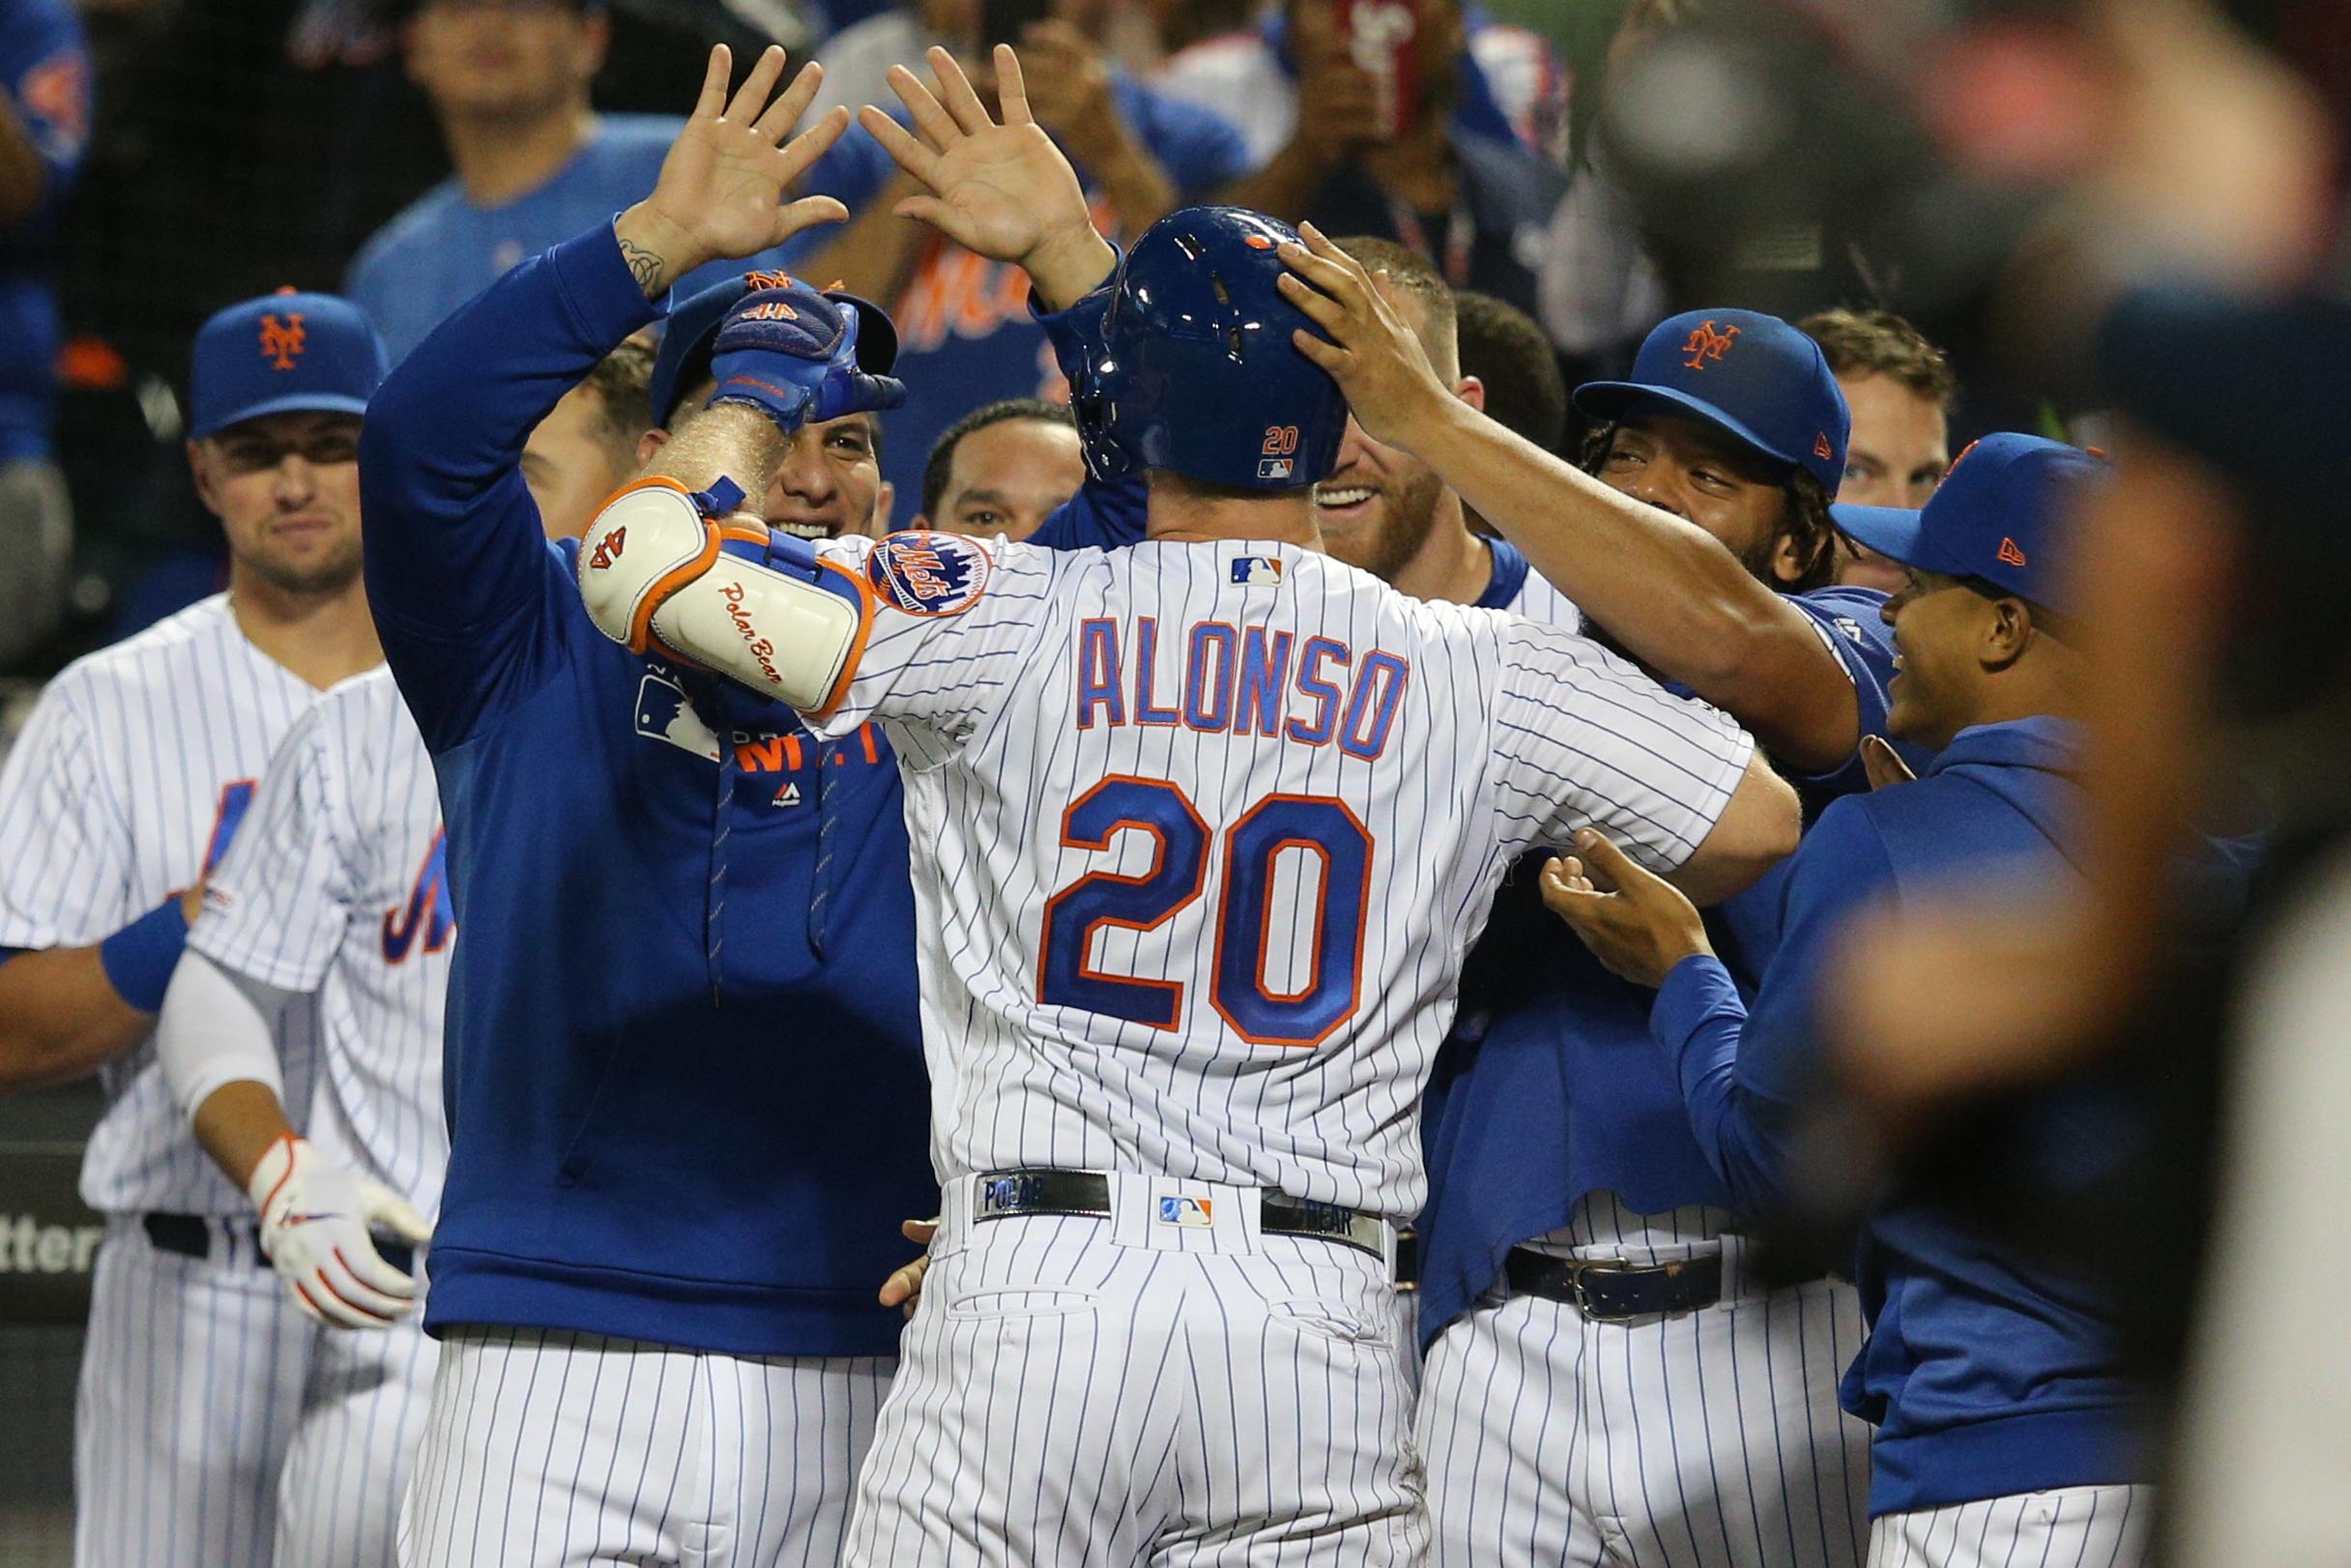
(274, 907)
(64, 840)
(954, 622)
(1588, 740)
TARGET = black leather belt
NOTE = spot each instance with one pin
(191, 1235)
(1608, 1290)
(999, 1195)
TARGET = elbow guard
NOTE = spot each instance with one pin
(762, 610)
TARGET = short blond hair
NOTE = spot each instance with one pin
(1881, 343)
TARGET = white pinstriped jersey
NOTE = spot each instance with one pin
(129, 782)
(1204, 829)
(1537, 601)
(336, 887)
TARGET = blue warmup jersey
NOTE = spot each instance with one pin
(965, 336)
(45, 71)
(683, 1070)
(441, 250)
(1549, 1088)
(1989, 1370)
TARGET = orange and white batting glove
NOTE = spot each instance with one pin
(316, 1219)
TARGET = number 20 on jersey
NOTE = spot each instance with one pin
(1245, 919)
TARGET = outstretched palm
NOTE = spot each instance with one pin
(1004, 191)
(723, 181)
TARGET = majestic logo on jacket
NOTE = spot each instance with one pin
(428, 914)
(283, 341)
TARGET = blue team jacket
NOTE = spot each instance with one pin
(1549, 1088)
(682, 1070)
(1988, 1371)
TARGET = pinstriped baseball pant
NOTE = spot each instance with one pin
(1069, 1400)
(363, 1403)
(1709, 1438)
(191, 1386)
(550, 1449)
(2065, 1527)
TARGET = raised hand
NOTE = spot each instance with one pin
(1368, 351)
(721, 187)
(1004, 191)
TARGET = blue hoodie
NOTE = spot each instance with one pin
(1549, 1088)
(1988, 1371)
(683, 1069)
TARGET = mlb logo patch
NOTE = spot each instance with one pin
(925, 573)
(664, 715)
(1186, 1213)
(1256, 571)
(1274, 468)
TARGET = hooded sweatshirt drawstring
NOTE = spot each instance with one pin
(820, 887)
(713, 911)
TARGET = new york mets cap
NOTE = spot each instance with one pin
(693, 322)
(1752, 376)
(283, 352)
(2003, 514)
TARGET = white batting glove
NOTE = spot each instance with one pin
(315, 1223)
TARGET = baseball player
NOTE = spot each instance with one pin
(1206, 823)
(1386, 511)
(1382, 510)
(130, 783)
(684, 1122)
(333, 904)
(1583, 1281)
(2005, 1422)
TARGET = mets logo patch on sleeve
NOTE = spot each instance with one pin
(925, 573)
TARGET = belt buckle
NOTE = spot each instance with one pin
(1580, 1270)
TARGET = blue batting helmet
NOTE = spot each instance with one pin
(1197, 374)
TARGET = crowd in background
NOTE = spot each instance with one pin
(406, 154)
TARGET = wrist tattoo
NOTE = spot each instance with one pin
(647, 267)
